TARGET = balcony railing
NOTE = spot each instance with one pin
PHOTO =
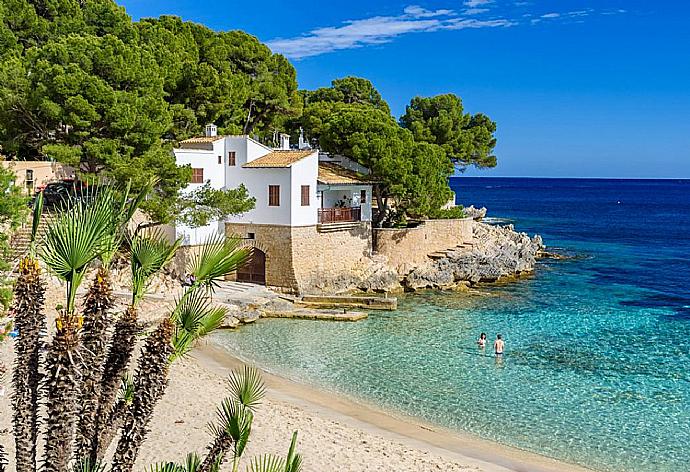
(340, 215)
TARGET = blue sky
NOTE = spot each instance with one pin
(578, 88)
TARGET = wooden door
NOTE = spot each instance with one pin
(254, 271)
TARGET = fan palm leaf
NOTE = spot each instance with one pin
(86, 465)
(123, 208)
(231, 431)
(218, 257)
(194, 318)
(166, 467)
(149, 253)
(267, 463)
(247, 387)
(293, 463)
(36, 220)
(76, 239)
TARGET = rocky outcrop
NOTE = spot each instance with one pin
(498, 252)
(476, 214)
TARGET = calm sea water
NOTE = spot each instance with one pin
(597, 348)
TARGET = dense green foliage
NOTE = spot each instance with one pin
(13, 209)
(351, 118)
(83, 84)
(466, 139)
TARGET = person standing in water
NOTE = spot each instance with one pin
(499, 345)
(481, 342)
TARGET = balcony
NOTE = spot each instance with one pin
(340, 215)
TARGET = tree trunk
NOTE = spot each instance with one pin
(382, 203)
(247, 127)
(115, 368)
(149, 385)
(99, 301)
(216, 452)
(29, 320)
(63, 378)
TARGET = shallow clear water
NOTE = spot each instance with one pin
(597, 354)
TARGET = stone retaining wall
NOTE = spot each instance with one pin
(302, 259)
(409, 247)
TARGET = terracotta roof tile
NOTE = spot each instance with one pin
(202, 139)
(334, 174)
(278, 159)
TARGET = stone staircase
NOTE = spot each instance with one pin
(447, 252)
(21, 239)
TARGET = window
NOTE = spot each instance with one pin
(363, 196)
(197, 176)
(274, 195)
(251, 236)
(220, 159)
(231, 158)
(29, 178)
(305, 195)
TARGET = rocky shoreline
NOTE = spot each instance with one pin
(497, 253)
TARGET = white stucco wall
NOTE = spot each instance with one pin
(304, 172)
(202, 159)
(257, 182)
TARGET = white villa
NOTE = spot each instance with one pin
(312, 215)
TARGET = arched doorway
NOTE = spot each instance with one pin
(254, 271)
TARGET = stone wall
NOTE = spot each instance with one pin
(324, 260)
(276, 242)
(302, 259)
(409, 247)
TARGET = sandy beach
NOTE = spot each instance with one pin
(335, 434)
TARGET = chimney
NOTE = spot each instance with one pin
(284, 142)
(303, 143)
(211, 130)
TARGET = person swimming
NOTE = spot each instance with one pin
(499, 345)
(481, 342)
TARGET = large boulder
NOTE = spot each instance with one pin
(498, 252)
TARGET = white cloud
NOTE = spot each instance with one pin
(475, 11)
(415, 11)
(376, 30)
(415, 19)
(476, 3)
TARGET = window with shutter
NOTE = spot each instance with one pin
(274, 195)
(231, 158)
(305, 195)
(197, 176)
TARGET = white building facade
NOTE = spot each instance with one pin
(299, 194)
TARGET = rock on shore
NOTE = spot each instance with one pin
(498, 252)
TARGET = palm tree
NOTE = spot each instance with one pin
(191, 319)
(71, 244)
(98, 303)
(150, 381)
(29, 320)
(149, 253)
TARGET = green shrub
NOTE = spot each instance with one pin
(455, 212)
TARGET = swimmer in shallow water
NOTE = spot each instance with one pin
(481, 342)
(499, 345)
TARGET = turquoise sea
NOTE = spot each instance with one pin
(597, 347)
